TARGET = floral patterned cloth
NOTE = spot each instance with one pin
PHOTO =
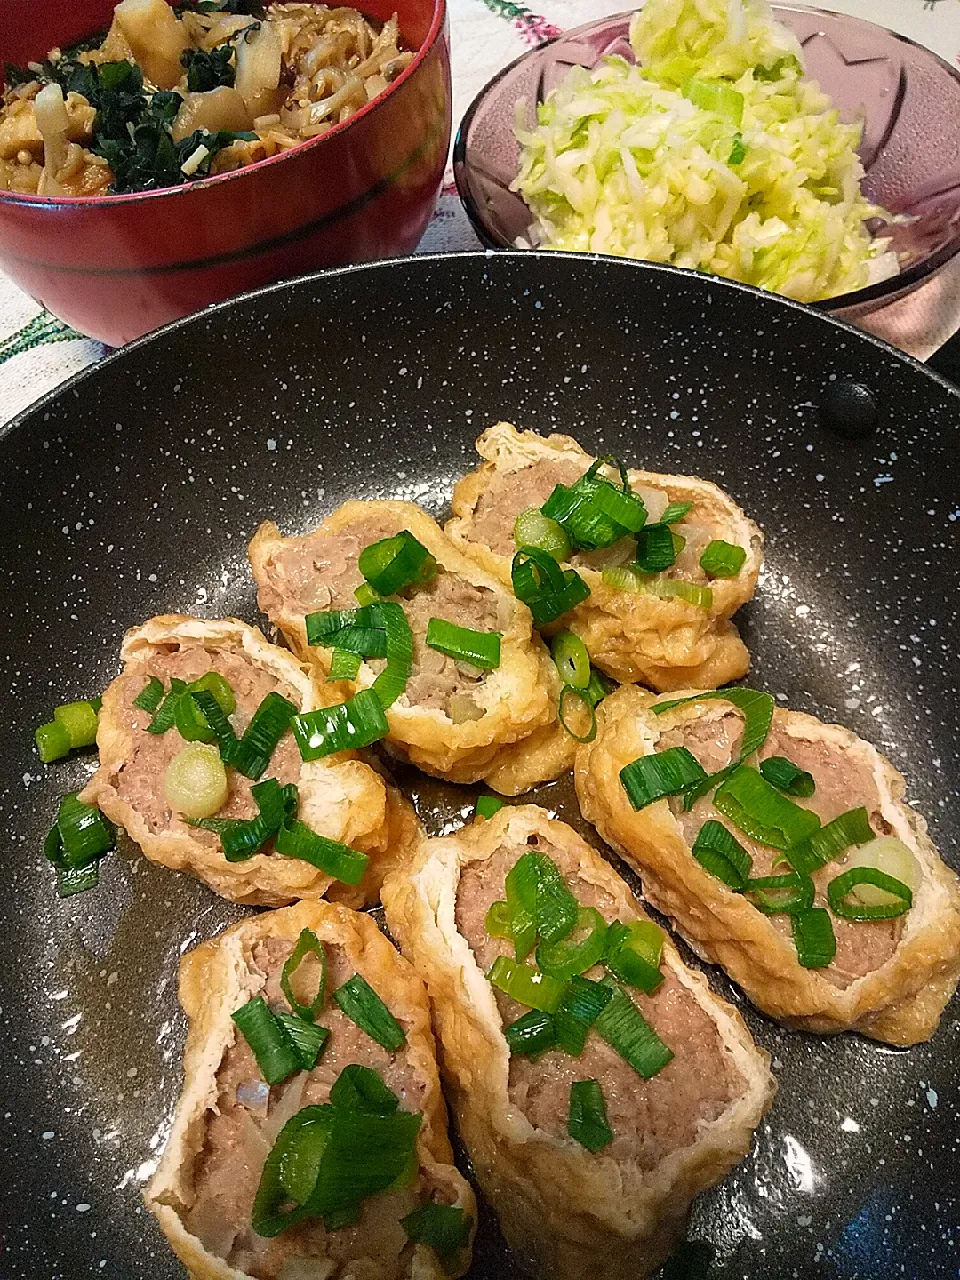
(37, 352)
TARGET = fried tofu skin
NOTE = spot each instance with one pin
(228, 1119)
(453, 720)
(341, 797)
(666, 643)
(566, 1211)
(890, 979)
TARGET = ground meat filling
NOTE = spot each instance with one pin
(320, 572)
(140, 780)
(510, 492)
(649, 1118)
(843, 782)
(244, 1127)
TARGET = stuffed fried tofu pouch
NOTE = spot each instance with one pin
(340, 798)
(590, 1154)
(450, 717)
(343, 1125)
(772, 872)
(653, 613)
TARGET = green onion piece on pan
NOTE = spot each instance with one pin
(253, 751)
(814, 937)
(761, 812)
(830, 840)
(53, 742)
(632, 953)
(721, 854)
(478, 648)
(780, 895)
(786, 777)
(487, 806)
(85, 833)
(150, 696)
(445, 1228)
(526, 986)
(344, 665)
(900, 896)
(657, 548)
(70, 879)
(547, 590)
(80, 722)
(567, 693)
(497, 920)
(241, 838)
(722, 559)
(360, 1088)
(534, 529)
(296, 840)
(392, 680)
(665, 773)
(583, 1002)
(308, 1040)
(675, 512)
(577, 952)
(394, 563)
(276, 1056)
(361, 1004)
(572, 661)
(533, 1032)
(308, 944)
(349, 725)
(588, 1122)
(627, 1032)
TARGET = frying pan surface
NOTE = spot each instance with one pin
(134, 491)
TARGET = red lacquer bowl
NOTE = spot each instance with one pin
(115, 267)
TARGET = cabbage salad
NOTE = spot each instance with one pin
(712, 153)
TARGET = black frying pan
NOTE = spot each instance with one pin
(134, 491)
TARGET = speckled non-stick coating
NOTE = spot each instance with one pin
(134, 492)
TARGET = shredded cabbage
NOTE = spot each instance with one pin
(712, 153)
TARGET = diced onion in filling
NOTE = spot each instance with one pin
(195, 783)
(889, 855)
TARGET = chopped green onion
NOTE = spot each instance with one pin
(445, 1228)
(392, 680)
(598, 687)
(522, 889)
(70, 879)
(572, 661)
(365, 595)
(546, 590)
(721, 854)
(190, 721)
(308, 1040)
(344, 727)
(308, 944)
(626, 578)
(632, 953)
(533, 1032)
(497, 920)
(722, 559)
(900, 896)
(625, 508)
(657, 548)
(755, 707)
(579, 1009)
(587, 1122)
(624, 1028)
(538, 902)
(759, 810)
(53, 742)
(534, 529)
(738, 152)
(566, 693)
(665, 773)
(86, 834)
(487, 806)
(786, 777)
(275, 1053)
(780, 895)
(526, 986)
(394, 563)
(321, 627)
(195, 783)
(296, 840)
(213, 682)
(593, 512)
(365, 642)
(360, 1088)
(814, 936)
(344, 665)
(252, 753)
(577, 952)
(241, 838)
(830, 840)
(150, 696)
(717, 96)
(361, 1004)
(164, 715)
(293, 1163)
(675, 512)
(80, 722)
(478, 648)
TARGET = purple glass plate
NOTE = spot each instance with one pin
(909, 98)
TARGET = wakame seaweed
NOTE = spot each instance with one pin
(208, 68)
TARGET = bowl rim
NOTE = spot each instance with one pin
(437, 25)
(883, 290)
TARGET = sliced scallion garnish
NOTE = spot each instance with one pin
(71, 879)
(534, 529)
(392, 680)
(587, 1122)
(241, 838)
(487, 806)
(830, 840)
(578, 951)
(526, 985)
(308, 1040)
(665, 773)
(445, 1228)
(308, 944)
(150, 696)
(900, 896)
(361, 1004)
(814, 937)
(478, 648)
(217, 685)
(79, 720)
(347, 726)
(571, 659)
(780, 895)
(86, 833)
(276, 1055)
(365, 642)
(53, 742)
(190, 721)
(532, 1032)
(569, 694)
(722, 559)
(164, 715)
(625, 577)
(675, 512)
(755, 707)
(359, 1088)
(761, 812)
(547, 590)
(296, 840)
(722, 854)
(344, 665)
(394, 563)
(593, 512)
(632, 953)
(786, 777)
(252, 753)
(657, 548)
(627, 1032)
(323, 625)
(583, 1002)
(215, 718)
